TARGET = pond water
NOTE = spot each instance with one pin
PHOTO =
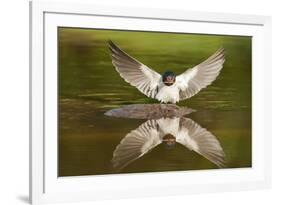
(89, 86)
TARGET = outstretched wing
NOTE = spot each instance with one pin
(200, 140)
(132, 71)
(135, 144)
(193, 80)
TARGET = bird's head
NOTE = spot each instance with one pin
(169, 78)
(169, 141)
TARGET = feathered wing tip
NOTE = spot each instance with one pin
(111, 44)
(203, 142)
(113, 47)
(217, 57)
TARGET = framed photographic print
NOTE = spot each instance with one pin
(130, 102)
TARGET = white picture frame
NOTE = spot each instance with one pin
(46, 186)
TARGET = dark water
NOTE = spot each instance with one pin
(89, 86)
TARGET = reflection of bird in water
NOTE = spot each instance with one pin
(169, 131)
(168, 87)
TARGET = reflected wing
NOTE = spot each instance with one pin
(193, 80)
(135, 144)
(200, 140)
(132, 71)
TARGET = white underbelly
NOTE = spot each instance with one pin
(168, 94)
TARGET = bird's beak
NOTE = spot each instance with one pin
(169, 142)
(169, 81)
